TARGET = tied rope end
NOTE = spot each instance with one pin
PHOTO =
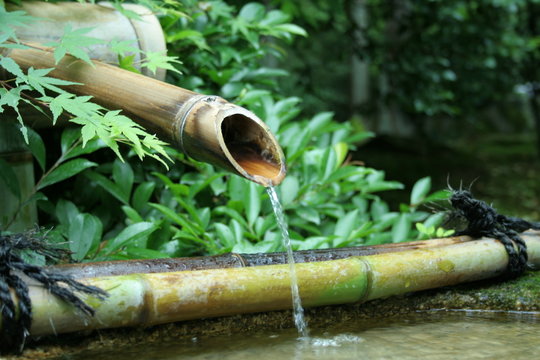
(16, 310)
(483, 220)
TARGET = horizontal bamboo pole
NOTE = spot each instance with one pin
(149, 299)
(207, 128)
(125, 267)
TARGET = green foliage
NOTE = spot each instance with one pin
(119, 209)
(452, 58)
(447, 63)
(74, 42)
(97, 122)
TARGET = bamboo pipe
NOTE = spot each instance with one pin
(206, 128)
(125, 267)
(149, 299)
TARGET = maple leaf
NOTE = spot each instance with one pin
(73, 42)
(37, 79)
(11, 66)
(79, 106)
(12, 98)
(11, 19)
(156, 60)
(123, 47)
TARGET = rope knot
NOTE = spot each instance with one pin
(483, 220)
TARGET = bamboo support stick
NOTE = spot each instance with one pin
(149, 299)
(207, 128)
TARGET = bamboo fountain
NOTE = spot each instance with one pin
(208, 128)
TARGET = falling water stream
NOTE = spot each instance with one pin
(298, 310)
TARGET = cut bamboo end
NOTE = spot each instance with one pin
(207, 128)
(210, 129)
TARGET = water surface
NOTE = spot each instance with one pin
(439, 335)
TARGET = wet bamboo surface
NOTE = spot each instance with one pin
(113, 268)
(157, 298)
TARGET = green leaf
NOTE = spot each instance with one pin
(10, 20)
(291, 28)
(109, 186)
(252, 201)
(225, 234)
(12, 99)
(36, 78)
(400, 230)
(65, 171)
(89, 147)
(180, 219)
(309, 214)
(438, 195)
(124, 47)
(74, 42)
(435, 219)
(126, 63)
(141, 253)
(233, 214)
(10, 178)
(237, 188)
(204, 216)
(420, 190)
(252, 12)
(37, 147)
(132, 214)
(345, 226)
(123, 176)
(341, 149)
(78, 106)
(11, 66)
(289, 190)
(263, 224)
(155, 60)
(142, 195)
(84, 233)
(68, 138)
(66, 211)
(130, 234)
(421, 228)
(275, 17)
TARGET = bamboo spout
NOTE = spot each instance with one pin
(210, 129)
(206, 128)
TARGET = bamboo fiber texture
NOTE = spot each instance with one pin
(155, 298)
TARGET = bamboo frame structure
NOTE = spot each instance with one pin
(154, 298)
(207, 128)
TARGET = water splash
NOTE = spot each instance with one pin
(298, 310)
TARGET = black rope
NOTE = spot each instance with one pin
(483, 220)
(16, 310)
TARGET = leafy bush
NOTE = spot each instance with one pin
(121, 207)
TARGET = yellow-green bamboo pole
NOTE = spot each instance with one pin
(148, 299)
(207, 128)
(125, 267)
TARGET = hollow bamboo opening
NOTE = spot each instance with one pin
(247, 143)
